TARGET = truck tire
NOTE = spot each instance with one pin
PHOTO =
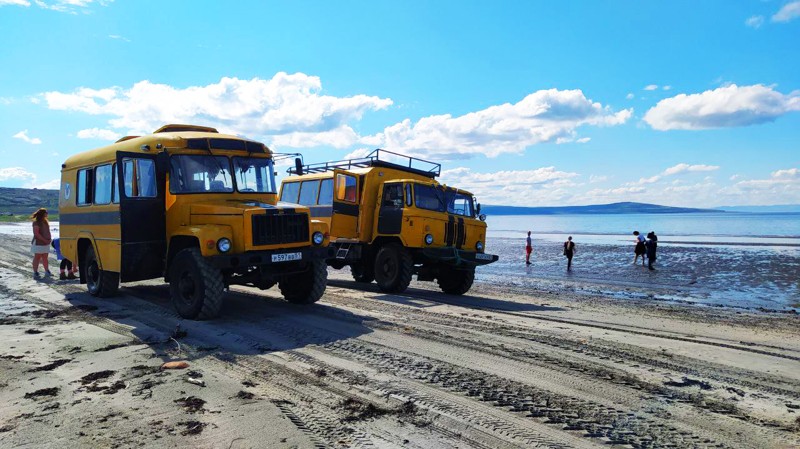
(454, 281)
(393, 268)
(196, 287)
(306, 287)
(362, 272)
(99, 283)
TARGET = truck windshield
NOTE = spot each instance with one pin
(459, 203)
(254, 174)
(200, 174)
(427, 197)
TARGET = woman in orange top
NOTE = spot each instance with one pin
(40, 245)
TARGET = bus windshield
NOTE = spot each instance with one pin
(459, 203)
(254, 175)
(200, 174)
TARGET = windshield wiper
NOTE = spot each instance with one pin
(214, 158)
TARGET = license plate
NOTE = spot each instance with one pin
(286, 257)
(482, 256)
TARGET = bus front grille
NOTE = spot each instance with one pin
(279, 228)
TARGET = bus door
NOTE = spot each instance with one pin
(390, 214)
(345, 219)
(142, 216)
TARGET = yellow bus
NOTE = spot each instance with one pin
(195, 207)
(390, 219)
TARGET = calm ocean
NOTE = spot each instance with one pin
(725, 259)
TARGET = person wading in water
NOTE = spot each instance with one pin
(569, 251)
(528, 249)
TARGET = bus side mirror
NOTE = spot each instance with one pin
(478, 208)
(298, 166)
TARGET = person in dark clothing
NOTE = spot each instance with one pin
(569, 251)
(528, 249)
(652, 245)
(639, 247)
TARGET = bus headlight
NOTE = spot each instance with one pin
(428, 239)
(317, 238)
(224, 245)
(479, 246)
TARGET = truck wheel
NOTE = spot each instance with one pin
(363, 272)
(196, 287)
(306, 287)
(100, 283)
(455, 282)
(393, 268)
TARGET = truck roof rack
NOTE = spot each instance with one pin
(378, 158)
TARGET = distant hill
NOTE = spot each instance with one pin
(26, 201)
(785, 208)
(614, 208)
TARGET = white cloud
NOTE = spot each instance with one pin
(16, 173)
(651, 87)
(118, 37)
(782, 187)
(789, 11)
(97, 133)
(594, 179)
(53, 184)
(287, 108)
(543, 116)
(23, 135)
(667, 87)
(70, 6)
(681, 168)
(541, 186)
(15, 2)
(724, 107)
(629, 96)
(754, 21)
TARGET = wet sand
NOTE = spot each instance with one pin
(507, 365)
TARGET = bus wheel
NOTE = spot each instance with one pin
(393, 268)
(454, 281)
(196, 287)
(362, 272)
(306, 287)
(102, 284)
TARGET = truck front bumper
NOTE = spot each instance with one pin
(278, 257)
(458, 257)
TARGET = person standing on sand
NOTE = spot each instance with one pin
(40, 245)
(569, 251)
(652, 245)
(639, 249)
(528, 249)
(67, 270)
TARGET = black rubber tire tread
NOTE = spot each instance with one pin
(307, 287)
(210, 279)
(363, 272)
(454, 281)
(108, 281)
(404, 272)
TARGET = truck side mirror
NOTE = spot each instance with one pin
(298, 166)
(478, 208)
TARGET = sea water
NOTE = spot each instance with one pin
(721, 259)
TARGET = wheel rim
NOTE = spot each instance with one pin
(92, 275)
(187, 288)
(388, 268)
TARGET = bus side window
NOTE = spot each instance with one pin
(102, 184)
(308, 192)
(127, 177)
(139, 176)
(289, 192)
(393, 196)
(346, 188)
(115, 183)
(83, 195)
(326, 192)
(408, 195)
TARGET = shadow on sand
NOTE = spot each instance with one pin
(249, 324)
(420, 298)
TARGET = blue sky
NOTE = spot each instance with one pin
(524, 103)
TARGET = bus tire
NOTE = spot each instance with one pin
(306, 287)
(195, 286)
(393, 268)
(454, 281)
(99, 283)
(362, 272)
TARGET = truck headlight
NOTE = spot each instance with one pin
(224, 245)
(428, 239)
(317, 238)
(479, 246)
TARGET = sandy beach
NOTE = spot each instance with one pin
(508, 365)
